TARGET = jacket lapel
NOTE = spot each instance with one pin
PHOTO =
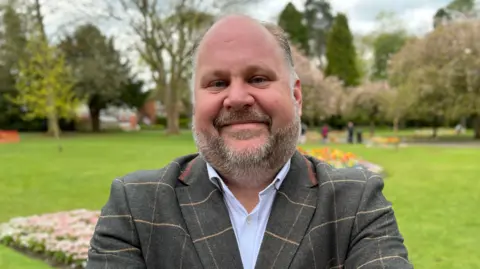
(291, 214)
(207, 218)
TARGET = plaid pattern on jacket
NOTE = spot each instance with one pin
(176, 218)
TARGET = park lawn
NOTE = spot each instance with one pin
(434, 191)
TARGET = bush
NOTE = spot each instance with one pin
(183, 122)
(155, 127)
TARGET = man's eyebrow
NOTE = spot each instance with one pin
(248, 70)
(215, 73)
(252, 69)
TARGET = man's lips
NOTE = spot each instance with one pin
(244, 123)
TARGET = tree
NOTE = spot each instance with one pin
(99, 70)
(440, 17)
(385, 40)
(388, 39)
(320, 95)
(132, 94)
(462, 70)
(461, 5)
(368, 99)
(341, 54)
(44, 85)
(455, 10)
(418, 69)
(167, 32)
(12, 47)
(167, 36)
(384, 46)
(441, 71)
(405, 94)
(291, 21)
(319, 19)
(43, 81)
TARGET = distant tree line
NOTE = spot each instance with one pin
(407, 81)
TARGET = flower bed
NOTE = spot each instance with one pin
(340, 159)
(62, 238)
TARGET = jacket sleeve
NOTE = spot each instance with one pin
(376, 240)
(115, 243)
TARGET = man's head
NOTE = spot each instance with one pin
(247, 99)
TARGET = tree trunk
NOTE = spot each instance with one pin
(53, 127)
(172, 110)
(373, 116)
(95, 119)
(372, 127)
(435, 127)
(395, 126)
(39, 19)
(434, 132)
(52, 118)
(476, 126)
(173, 126)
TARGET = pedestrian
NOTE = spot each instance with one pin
(325, 131)
(350, 132)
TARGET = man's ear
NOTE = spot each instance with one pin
(297, 95)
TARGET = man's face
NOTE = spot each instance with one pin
(245, 109)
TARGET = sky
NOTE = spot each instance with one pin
(64, 15)
(416, 14)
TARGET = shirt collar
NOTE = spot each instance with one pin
(218, 181)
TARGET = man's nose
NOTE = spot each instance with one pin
(238, 96)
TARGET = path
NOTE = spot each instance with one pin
(446, 144)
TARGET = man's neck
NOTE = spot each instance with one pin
(246, 184)
(248, 196)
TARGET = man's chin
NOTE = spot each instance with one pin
(249, 147)
(245, 145)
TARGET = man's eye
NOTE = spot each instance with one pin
(218, 84)
(258, 80)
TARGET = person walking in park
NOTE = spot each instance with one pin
(248, 199)
(324, 132)
(303, 134)
(350, 132)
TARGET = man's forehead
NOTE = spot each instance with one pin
(236, 29)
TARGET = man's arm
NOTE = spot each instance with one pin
(115, 242)
(376, 240)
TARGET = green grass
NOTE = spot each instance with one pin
(434, 190)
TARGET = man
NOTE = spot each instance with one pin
(249, 199)
(303, 133)
(325, 131)
(350, 132)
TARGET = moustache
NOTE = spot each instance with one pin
(243, 116)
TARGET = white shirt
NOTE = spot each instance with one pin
(249, 228)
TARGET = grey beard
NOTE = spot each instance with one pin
(250, 168)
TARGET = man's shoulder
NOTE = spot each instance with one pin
(173, 169)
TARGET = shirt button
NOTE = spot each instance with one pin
(249, 220)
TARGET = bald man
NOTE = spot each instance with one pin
(247, 199)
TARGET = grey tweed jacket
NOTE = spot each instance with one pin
(175, 218)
